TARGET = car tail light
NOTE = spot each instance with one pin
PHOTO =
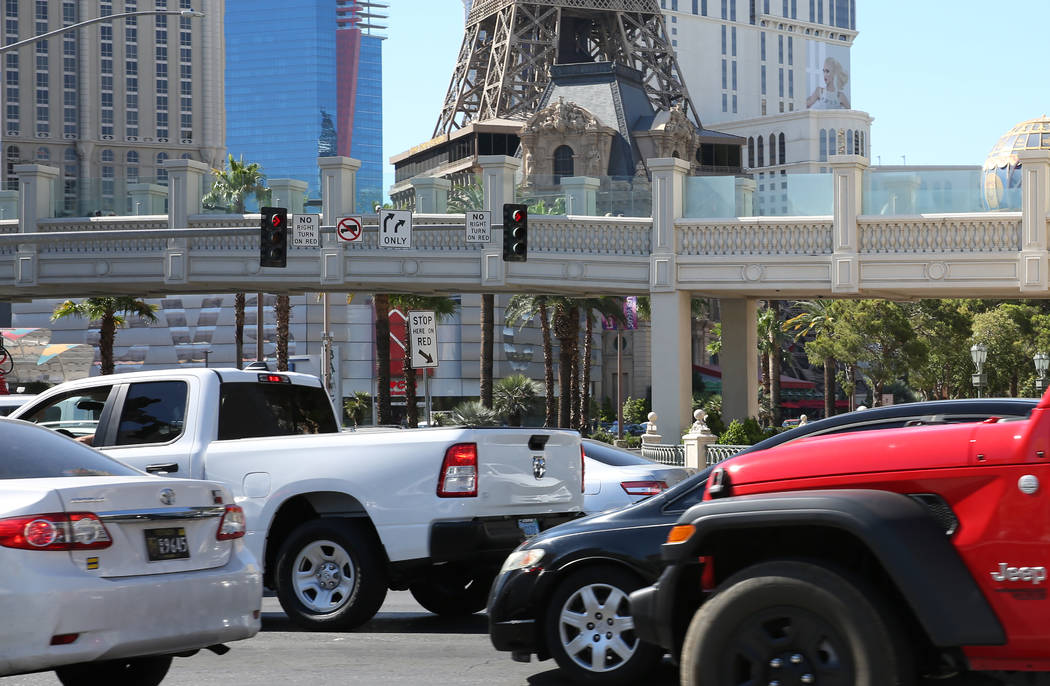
(55, 531)
(459, 472)
(63, 639)
(232, 525)
(583, 465)
(643, 487)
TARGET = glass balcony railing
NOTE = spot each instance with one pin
(931, 192)
(794, 195)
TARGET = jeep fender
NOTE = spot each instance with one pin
(913, 549)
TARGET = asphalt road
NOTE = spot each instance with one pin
(403, 645)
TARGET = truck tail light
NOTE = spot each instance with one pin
(583, 465)
(232, 525)
(55, 531)
(643, 487)
(459, 472)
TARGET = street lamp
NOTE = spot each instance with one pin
(979, 354)
(1042, 363)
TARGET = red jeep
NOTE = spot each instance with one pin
(865, 559)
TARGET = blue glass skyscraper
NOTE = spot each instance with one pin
(304, 80)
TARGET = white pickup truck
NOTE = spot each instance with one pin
(336, 517)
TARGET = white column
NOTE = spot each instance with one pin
(848, 174)
(745, 197)
(497, 182)
(671, 363)
(338, 187)
(738, 358)
(35, 202)
(185, 189)
(1035, 211)
(431, 194)
(581, 195)
(288, 193)
(36, 185)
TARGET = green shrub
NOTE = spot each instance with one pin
(603, 436)
(635, 411)
(746, 432)
(632, 441)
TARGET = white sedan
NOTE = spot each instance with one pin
(109, 572)
(613, 477)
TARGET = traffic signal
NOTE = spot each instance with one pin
(515, 233)
(273, 246)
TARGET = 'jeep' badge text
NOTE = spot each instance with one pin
(1036, 575)
(539, 466)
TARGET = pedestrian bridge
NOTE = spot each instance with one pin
(667, 256)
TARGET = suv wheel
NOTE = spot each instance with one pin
(793, 623)
(590, 629)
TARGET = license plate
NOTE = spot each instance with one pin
(529, 527)
(166, 544)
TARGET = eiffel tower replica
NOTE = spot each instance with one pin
(509, 47)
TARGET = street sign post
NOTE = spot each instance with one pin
(422, 337)
(479, 226)
(395, 229)
(349, 229)
(306, 231)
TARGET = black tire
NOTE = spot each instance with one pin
(594, 599)
(777, 621)
(452, 591)
(331, 575)
(135, 671)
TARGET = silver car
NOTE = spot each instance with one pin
(614, 477)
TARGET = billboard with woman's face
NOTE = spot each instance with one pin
(827, 76)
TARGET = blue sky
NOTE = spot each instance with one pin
(943, 79)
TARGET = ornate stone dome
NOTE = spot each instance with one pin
(1001, 175)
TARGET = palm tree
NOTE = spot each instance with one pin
(442, 307)
(467, 198)
(817, 318)
(111, 313)
(238, 329)
(381, 303)
(282, 310)
(606, 306)
(514, 396)
(770, 334)
(232, 186)
(473, 413)
(229, 188)
(488, 307)
(521, 310)
(565, 326)
(356, 405)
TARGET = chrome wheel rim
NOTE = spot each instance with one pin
(596, 628)
(323, 576)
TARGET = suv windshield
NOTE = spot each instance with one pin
(252, 410)
(32, 452)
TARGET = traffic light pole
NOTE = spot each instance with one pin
(259, 328)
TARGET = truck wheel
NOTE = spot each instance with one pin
(779, 622)
(590, 630)
(135, 671)
(451, 591)
(330, 575)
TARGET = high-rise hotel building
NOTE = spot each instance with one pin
(106, 104)
(776, 72)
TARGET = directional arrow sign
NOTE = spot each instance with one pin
(422, 338)
(395, 229)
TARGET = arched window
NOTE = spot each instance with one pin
(70, 155)
(772, 149)
(849, 141)
(107, 155)
(823, 145)
(858, 143)
(677, 155)
(563, 163)
(187, 156)
(43, 155)
(751, 152)
(782, 149)
(133, 157)
(761, 152)
(162, 173)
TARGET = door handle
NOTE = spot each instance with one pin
(168, 468)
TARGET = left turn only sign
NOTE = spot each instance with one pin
(395, 229)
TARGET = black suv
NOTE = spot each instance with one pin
(563, 593)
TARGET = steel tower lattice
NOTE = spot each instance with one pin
(509, 46)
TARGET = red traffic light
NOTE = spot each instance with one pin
(277, 219)
(518, 215)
